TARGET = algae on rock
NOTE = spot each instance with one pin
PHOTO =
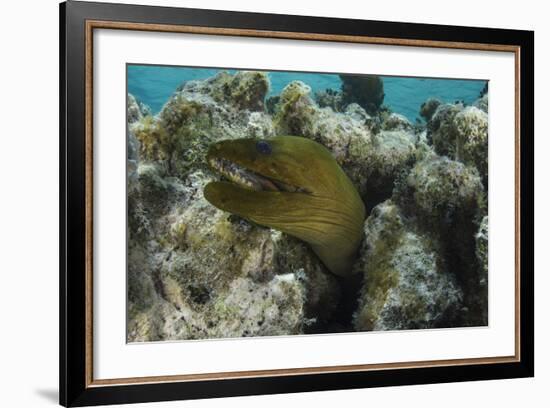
(449, 201)
(226, 278)
(212, 276)
(406, 283)
(441, 130)
(439, 188)
(395, 121)
(393, 153)
(200, 112)
(244, 90)
(472, 147)
(482, 255)
(461, 133)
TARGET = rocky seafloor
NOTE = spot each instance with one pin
(196, 272)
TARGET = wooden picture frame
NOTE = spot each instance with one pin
(78, 20)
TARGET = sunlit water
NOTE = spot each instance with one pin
(153, 85)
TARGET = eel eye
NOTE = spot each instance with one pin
(263, 147)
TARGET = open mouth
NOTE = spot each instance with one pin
(250, 180)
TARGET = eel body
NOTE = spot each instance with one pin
(294, 185)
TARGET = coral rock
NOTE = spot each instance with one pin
(406, 285)
(395, 121)
(481, 283)
(329, 98)
(243, 90)
(439, 187)
(296, 110)
(441, 129)
(483, 103)
(358, 113)
(201, 112)
(448, 199)
(136, 110)
(471, 128)
(461, 133)
(428, 108)
(393, 154)
(365, 90)
(208, 274)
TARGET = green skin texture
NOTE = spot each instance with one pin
(329, 216)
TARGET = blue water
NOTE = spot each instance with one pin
(153, 85)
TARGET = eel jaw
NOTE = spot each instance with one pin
(249, 179)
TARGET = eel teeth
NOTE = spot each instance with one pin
(249, 179)
(288, 188)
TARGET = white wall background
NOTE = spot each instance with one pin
(29, 204)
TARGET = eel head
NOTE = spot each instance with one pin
(294, 185)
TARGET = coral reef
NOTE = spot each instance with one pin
(441, 129)
(136, 110)
(406, 284)
(395, 121)
(200, 112)
(439, 188)
(207, 274)
(350, 137)
(329, 98)
(133, 111)
(481, 280)
(461, 133)
(428, 108)
(365, 90)
(245, 90)
(448, 200)
(483, 103)
(472, 147)
(393, 153)
(196, 272)
(295, 110)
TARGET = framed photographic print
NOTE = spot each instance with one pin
(255, 203)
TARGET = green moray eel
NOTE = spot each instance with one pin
(294, 185)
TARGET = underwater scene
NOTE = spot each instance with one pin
(265, 203)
